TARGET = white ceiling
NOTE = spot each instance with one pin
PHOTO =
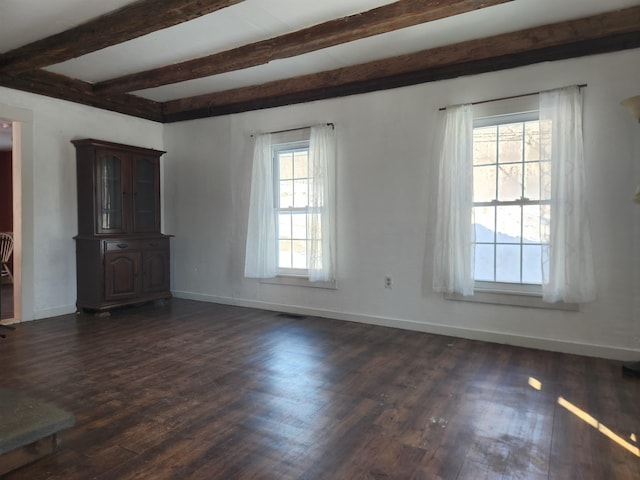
(24, 21)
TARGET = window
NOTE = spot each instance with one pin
(521, 179)
(291, 202)
(511, 200)
(291, 225)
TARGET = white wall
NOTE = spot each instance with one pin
(386, 205)
(49, 189)
(386, 209)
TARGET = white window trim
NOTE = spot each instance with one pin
(501, 119)
(522, 294)
(511, 299)
(498, 293)
(294, 140)
(285, 140)
(298, 281)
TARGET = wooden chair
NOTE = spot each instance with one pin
(6, 249)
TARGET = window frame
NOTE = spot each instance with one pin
(492, 292)
(277, 149)
(284, 139)
(497, 286)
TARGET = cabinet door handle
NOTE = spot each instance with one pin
(123, 245)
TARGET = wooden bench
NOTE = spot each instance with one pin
(28, 429)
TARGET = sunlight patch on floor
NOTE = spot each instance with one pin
(584, 416)
(535, 383)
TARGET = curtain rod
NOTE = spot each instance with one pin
(299, 128)
(582, 85)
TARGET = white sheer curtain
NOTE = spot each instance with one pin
(453, 263)
(568, 275)
(260, 259)
(322, 160)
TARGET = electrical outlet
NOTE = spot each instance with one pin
(387, 282)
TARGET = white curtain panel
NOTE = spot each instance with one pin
(568, 273)
(453, 262)
(260, 258)
(322, 209)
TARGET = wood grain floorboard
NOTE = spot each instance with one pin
(193, 390)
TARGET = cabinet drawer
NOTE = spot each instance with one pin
(121, 245)
(125, 244)
(155, 243)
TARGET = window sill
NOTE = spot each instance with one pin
(514, 299)
(297, 281)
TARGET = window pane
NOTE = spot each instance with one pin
(314, 225)
(284, 225)
(484, 183)
(284, 254)
(286, 165)
(484, 221)
(299, 225)
(319, 261)
(299, 255)
(508, 263)
(511, 238)
(537, 181)
(545, 263)
(532, 264)
(531, 141)
(286, 194)
(532, 181)
(509, 182)
(292, 182)
(545, 181)
(545, 140)
(508, 223)
(510, 139)
(301, 164)
(484, 261)
(301, 193)
(484, 145)
(531, 224)
(545, 223)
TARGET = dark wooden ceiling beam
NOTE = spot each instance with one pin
(401, 14)
(58, 86)
(129, 22)
(597, 34)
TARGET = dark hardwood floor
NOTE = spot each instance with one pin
(194, 390)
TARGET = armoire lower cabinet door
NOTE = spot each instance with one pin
(122, 275)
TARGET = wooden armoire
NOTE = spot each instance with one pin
(122, 258)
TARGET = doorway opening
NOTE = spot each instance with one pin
(10, 222)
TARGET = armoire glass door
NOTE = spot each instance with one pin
(111, 198)
(146, 199)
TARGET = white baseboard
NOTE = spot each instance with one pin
(563, 346)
